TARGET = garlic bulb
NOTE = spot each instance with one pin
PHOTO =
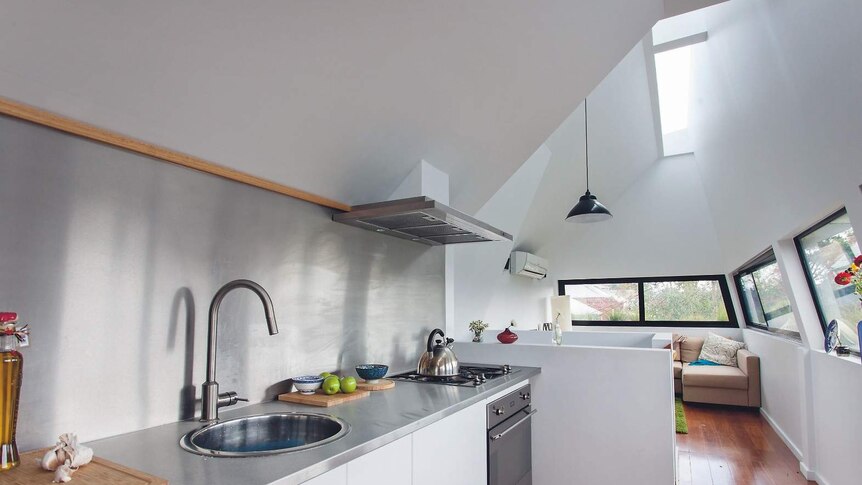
(83, 456)
(66, 457)
(50, 461)
(63, 473)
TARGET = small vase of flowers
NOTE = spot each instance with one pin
(852, 276)
(477, 327)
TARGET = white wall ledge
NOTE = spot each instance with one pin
(853, 360)
(778, 336)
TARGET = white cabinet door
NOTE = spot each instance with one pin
(336, 476)
(388, 465)
(452, 450)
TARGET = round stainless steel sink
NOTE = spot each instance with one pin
(265, 434)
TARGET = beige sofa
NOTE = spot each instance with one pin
(737, 386)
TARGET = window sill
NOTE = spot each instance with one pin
(651, 324)
(849, 359)
(777, 335)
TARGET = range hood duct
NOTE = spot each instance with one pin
(421, 219)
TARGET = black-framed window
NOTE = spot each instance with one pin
(662, 301)
(825, 250)
(764, 301)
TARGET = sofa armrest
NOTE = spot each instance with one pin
(749, 364)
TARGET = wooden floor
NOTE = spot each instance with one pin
(728, 445)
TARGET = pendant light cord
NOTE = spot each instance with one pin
(586, 144)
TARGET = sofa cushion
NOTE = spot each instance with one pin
(677, 369)
(720, 350)
(721, 376)
(690, 348)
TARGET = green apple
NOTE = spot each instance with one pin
(325, 374)
(331, 385)
(348, 384)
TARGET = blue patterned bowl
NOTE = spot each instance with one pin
(307, 384)
(372, 373)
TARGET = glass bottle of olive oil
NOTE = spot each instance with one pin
(11, 367)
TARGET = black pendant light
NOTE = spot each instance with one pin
(588, 208)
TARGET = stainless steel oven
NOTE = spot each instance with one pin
(510, 447)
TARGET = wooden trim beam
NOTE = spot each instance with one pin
(101, 135)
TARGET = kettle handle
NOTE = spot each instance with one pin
(431, 338)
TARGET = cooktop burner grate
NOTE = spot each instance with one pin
(470, 376)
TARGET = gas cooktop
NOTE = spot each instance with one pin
(471, 375)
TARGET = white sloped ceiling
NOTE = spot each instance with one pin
(337, 98)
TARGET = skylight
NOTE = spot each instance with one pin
(675, 46)
(673, 73)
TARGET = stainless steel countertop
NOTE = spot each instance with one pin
(381, 418)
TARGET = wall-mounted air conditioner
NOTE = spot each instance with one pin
(526, 264)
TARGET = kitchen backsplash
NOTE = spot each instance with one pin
(113, 258)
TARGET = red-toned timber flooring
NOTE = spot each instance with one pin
(733, 446)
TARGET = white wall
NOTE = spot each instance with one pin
(782, 366)
(777, 119)
(775, 124)
(596, 405)
(837, 391)
(643, 239)
(483, 288)
(776, 128)
(661, 226)
(113, 262)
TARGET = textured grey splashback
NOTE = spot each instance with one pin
(113, 259)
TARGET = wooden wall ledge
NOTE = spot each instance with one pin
(101, 135)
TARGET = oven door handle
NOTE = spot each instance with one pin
(498, 436)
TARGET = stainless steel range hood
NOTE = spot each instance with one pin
(421, 219)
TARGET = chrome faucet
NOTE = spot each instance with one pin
(211, 399)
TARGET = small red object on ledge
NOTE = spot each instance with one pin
(507, 336)
(8, 317)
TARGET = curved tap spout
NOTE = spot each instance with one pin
(211, 399)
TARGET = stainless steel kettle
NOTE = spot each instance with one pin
(439, 360)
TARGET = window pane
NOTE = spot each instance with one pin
(827, 251)
(750, 300)
(684, 301)
(605, 301)
(773, 299)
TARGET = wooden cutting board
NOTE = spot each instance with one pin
(98, 472)
(381, 385)
(319, 398)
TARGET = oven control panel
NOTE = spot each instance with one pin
(507, 406)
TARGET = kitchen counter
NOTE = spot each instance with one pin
(381, 418)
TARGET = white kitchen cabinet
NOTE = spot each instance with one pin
(452, 450)
(390, 464)
(336, 476)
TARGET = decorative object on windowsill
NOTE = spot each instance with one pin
(507, 336)
(562, 305)
(842, 350)
(831, 339)
(853, 276)
(477, 327)
(558, 330)
(12, 337)
(588, 208)
(66, 457)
